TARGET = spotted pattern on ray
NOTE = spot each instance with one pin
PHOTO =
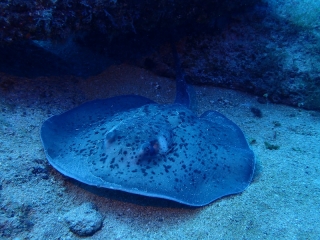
(130, 143)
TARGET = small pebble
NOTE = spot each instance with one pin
(84, 220)
(256, 112)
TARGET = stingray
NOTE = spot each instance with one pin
(132, 144)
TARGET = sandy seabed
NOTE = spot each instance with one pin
(283, 201)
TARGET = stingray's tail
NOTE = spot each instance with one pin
(182, 89)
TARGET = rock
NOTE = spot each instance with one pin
(234, 44)
(280, 69)
(82, 38)
(84, 220)
(48, 19)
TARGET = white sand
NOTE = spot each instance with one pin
(283, 202)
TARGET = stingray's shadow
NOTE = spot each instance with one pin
(129, 197)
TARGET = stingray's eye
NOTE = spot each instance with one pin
(149, 148)
(111, 136)
(155, 146)
(146, 148)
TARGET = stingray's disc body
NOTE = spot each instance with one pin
(129, 143)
